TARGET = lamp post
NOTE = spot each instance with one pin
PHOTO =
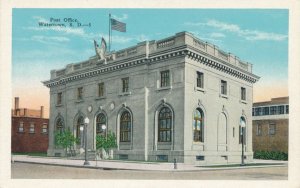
(86, 122)
(103, 127)
(243, 125)
(82, 137)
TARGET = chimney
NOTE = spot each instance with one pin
(42, 111)
(16, 105)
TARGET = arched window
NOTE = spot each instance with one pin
(165, 125)
(80, 122)
(59, 125)
(100, 122)
(125, 127)
(242, 130)
(198, 125)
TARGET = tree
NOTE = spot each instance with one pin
(65, 139)
(106, 142)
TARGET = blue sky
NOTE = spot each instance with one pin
(258, 36)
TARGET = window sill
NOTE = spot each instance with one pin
(164, 143)
(200, 89)
(58, 105)
(31, 132)
(198, 143)
(44, 133)
(124, 142)
(243, 101)
(125, 93)
(22, 132)
(224, 96)
(79, 101)
(164, 88)
(100, 98)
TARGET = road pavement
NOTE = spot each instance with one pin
(21, 170)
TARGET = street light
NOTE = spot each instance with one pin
(81, 136)
(86, 122)
(243, 125)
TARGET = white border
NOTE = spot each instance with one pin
(6, 92)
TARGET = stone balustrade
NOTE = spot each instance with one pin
(144, 49)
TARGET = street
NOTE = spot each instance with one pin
(37, 171)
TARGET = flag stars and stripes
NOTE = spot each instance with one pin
(117, 25)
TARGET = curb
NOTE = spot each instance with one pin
(137, 169)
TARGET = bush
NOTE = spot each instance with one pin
(106, 142)
(271, 155)
(65, 139)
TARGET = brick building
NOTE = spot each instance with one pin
(271, 125)
(29, 131)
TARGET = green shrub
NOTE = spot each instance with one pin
(271, 155)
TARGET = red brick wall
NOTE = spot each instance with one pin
(266, 142)
(26, 141)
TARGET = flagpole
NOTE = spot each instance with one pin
(109, 31)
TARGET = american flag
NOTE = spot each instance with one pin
(118, 26)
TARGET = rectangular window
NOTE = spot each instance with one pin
(273, 110)
(258, 130)
(59, 98)
(243, 93)
(162, 157)
(165, 78)
(21, 127)
(101, 89)
(266, 110)
(200, 80)
(281, 109)
(80, 93)
(199, 158)
(272, 129)
(223, 87)
(125, 85)
(31, 128)
(44, 128)
(287, 109)
(257, 111)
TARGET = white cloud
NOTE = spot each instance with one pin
(120, 18)
(40, 19)
(47, 40)
(217, 35)
(223, 26)
(245, 33)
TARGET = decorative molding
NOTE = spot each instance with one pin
(90, 108)
(229, 69)
(200, 102)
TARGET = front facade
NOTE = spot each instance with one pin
(271, 125)
(29, 131)
(178, 97)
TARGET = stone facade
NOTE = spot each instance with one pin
(178, 97)
(29, 130)
(271, 126)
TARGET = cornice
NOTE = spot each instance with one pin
(224, 66)
(155, 58)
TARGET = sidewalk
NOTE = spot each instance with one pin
(132, 165)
